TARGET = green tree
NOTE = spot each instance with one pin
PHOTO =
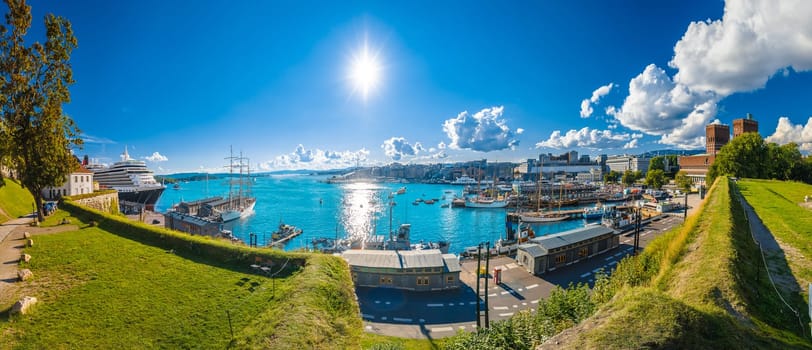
(744, 156)
(656, 163)
(611, 177)
(683, 181)
(784, 161)
(629, 177)
(655, 178)
(35, 87)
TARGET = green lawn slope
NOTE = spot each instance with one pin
(112, 284)
(15, 201)
(701, 286)
(781, 206)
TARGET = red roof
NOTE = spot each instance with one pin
(82, 170)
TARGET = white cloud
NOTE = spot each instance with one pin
(754, 41)
(658, 106)
(316, 159)
(519, 131)
(586, 104)
(587, 138)
(397, 148)
(156, 157)
(484, 131)
(631, 144)
(93, 139)
(786, 132)
(441, 145)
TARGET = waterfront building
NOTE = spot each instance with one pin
(417, 270)
(547, 253)
(80, 181)
(716, 136)
(621, 163)
(743, 125)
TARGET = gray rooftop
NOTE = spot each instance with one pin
(534, 250)
(452, 263)
(400, 259)
(571, 237)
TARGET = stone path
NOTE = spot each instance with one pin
(11, 245)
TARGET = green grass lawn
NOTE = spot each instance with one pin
(98, 290)
(374, 341)
(777, 204)
(14, 200)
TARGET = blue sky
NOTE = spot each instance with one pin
(178, 82)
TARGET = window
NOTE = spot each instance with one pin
(584, 251)
(560, 259)
(422, 281)
(524, 260)
(354, 277)
(449, 279)
(386, 280)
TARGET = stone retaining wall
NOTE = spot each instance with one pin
(106, 203)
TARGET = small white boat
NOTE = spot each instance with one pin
(543, 217)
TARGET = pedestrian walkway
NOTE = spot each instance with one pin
(11, 245)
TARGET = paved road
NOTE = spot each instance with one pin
(11, 245)
(441, 314)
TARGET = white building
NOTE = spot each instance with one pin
(78, 182)
(625, 162)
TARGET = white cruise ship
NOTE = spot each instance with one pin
(131, 178)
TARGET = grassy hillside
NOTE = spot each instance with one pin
(114, 285)
(700, 286)
(781, 207)
(15, 201)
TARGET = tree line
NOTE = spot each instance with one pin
(36, 136)
(750, 156)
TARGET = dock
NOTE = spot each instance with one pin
(280, 242)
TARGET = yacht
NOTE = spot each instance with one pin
(464, 180)
(131, 178)
(240, 201)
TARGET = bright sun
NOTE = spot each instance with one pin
(365, 72)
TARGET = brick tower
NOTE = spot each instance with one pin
(743, 125)
(716, 136)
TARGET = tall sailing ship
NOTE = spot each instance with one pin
(240, 201)
(134, 182)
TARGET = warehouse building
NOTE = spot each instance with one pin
(547, 253)
(418, 270)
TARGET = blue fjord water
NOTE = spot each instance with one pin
(327, 210)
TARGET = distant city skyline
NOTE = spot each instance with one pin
(321, 85)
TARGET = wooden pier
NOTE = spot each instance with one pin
(280, 242)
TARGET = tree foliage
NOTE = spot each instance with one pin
(655, 178)
(629, 177)
(656, 163)
(683, 181)
(749, 156)
(611, 177)
(34, 84)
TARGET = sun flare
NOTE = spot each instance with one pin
(365, 72)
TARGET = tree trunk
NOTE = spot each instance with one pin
(38, 200)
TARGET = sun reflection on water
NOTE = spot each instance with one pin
(361, 206)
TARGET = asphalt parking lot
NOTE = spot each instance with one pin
(440, 314)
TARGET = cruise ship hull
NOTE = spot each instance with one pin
(147, 196)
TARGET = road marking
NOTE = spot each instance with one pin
(511, 266)
(521, 289)
(383, 318)
(367, 316)
(377, 301)
(442, 329)
(610, 258)
(532, 286)
(503, 293)
(472, 303)
(532, 310)
(406, 320)
(534, 302)
(492, 295)
(434, 305)
(590, 280)
(586, 274)
(613, 263)
(500, 307)
(596, 270)
(387, 303)
(461, 304)
(618, 254)
(422, 321)
(524, 304)
(462, 327)
(451, 304)
(506, 314)
(515, 306)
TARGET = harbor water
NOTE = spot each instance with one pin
(356, 209)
